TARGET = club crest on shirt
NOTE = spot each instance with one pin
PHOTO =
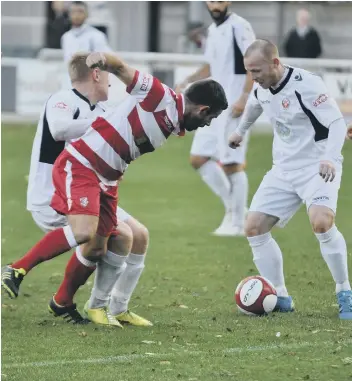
(285, 103)
(322, 98)
(84, 201)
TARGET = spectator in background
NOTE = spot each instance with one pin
(58, 24)
(82, 37)
(303, 41)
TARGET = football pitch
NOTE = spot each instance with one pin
(186, 289)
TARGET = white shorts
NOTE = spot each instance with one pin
(48, 219)
(212, 141)
(281, 193)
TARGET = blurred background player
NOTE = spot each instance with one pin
(309, 133)
(227, 40)
(82, 37)
(303, 41)
(66, 116)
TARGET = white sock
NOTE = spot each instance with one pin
(239, 197)
(267, 257)
(109, 269)
(126, 284)
(334, 251)
(215, 177)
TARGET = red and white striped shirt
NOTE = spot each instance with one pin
(139, 125)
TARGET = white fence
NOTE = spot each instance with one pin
(36, 79)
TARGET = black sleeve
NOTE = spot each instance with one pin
(316, 46)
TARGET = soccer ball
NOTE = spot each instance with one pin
(255, 295)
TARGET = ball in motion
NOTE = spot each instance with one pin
(255, 295)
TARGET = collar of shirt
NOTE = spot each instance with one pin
(282, 78)
(79, 30)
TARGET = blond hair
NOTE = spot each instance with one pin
(77, 67)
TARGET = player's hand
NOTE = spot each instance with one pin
(180, 87)
(327, 170)
(96, 59)
(238, 107)
(349, 132)
(235, 140)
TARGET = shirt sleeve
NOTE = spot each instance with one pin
(147, 90)
(251, 113)
(245, 36)
(317, 104)
(62, 117)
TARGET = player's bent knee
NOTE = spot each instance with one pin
(198, 161)
(140, 239)
(321, 218)
(258, 223)
(122, 242)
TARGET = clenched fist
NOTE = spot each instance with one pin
(235, 140)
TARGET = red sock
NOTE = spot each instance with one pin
(76, 275)
(52, 245)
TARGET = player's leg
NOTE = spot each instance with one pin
(233, 163)
(321, 210)
(78, 271)
(274, 202)
(109, 269)
(127, 282)
(111, 266)
(204, 150)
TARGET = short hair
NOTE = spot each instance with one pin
(207, 92)
(77, 67)
(80, 3)
(266, 47)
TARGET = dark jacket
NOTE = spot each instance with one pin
(303, 47)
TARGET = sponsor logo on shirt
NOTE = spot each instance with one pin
(321, 198)
(298, 77)
(283, 131)
(61, 105)
(322, 98)
(168, 123)
(264, 102)
(145, 83)
(285, 103)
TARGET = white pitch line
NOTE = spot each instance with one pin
(128, 358)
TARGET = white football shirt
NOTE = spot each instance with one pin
(225, 46)
(301, 112)
(66, 115)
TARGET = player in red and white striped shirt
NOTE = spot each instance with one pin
(85, 174)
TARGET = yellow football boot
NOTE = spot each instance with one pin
(100, 316)
(129, 317)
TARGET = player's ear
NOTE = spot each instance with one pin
(204, 110)
(276, 61)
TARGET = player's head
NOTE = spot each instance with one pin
(302, 18)
(204, 101)
(262, 61)
(96, 79)
(218, 10)
(78, 13)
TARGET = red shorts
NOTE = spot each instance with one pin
(78, 190)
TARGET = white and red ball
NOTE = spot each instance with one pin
(255, 295)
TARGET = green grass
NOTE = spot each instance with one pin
(185, 266)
